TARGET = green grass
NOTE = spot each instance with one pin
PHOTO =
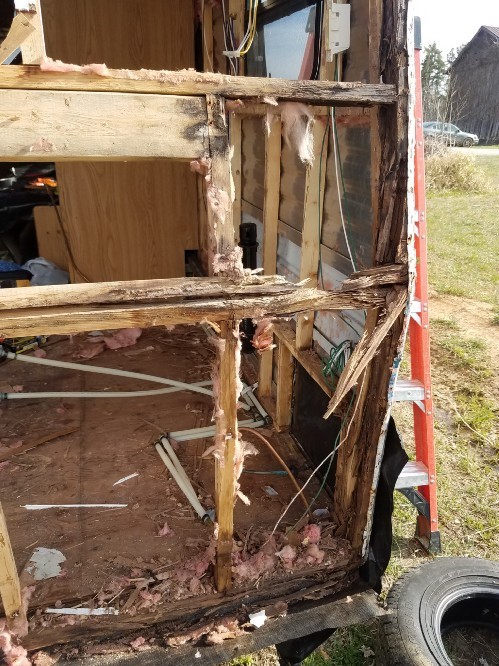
(349, 647)
(463, 239)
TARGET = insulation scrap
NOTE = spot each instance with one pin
(13, 655)
(270, 100)
(310, 534)
(49, 65)
(297, 122)
(94, 346)
(263, 337)
(137, 643)
(287, 556)
(312, 555)
(44, 659)
(233, 104)
(127, 337)
(254, 566)
(42, 145)
(166, 531)
(201, 166)
(227, 628)
(40, 353)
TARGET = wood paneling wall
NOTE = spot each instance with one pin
(126, 220)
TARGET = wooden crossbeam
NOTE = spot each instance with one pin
(54, 320)
(328, 93)
(48, 126)
(143, 292)
(22, 27)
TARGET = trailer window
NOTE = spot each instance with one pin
(285, 45)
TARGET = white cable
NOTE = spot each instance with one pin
(85, 394)
(329, 455)
(226, 52)
(108, 371)
(180, 481)
(335, 151)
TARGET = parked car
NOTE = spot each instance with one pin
(450, 134)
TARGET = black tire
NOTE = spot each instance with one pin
(467, 143)
(433, 599)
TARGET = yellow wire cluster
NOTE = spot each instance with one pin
(251, 31)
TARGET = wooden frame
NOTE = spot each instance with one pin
(194, 107)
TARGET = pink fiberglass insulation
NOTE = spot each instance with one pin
(127, 337)
(312, 555)
(287, 555)
(201, 166)
(13, 655)
(297, 122)
(263, 337)
(310, 534)
(166, 531)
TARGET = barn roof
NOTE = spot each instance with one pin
(494, 31)
(484, 28)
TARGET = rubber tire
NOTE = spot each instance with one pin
(467, 143)
(410, 634)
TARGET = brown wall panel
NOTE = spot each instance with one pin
(124, 220)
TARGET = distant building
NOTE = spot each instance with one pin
(475, 83)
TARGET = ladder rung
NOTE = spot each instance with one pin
(414, 474)
(408, 390)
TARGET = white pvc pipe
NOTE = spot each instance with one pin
(84, 394)
(180, 482)
(108, 371)
(178, 466)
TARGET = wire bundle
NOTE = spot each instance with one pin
(248, 38)
(338, 357)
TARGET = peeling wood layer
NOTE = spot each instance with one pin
(186, 82)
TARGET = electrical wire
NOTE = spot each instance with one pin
(329, 456)
(204, 38)
(227, 34)
(338, 357)
(319, 16)
(281, 462)
(107, 371)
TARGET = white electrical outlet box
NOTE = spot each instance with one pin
(338, 37)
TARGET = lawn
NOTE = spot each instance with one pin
(463, 251)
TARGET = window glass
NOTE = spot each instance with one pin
(284, 47)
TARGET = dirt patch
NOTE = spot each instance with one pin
(474, 320)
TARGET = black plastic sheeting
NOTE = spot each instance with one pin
(317, 435)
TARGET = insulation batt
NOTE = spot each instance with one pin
(13, 655)
(311, 534)
(297, 121)
(263, 337)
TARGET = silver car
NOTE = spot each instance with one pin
(449, 133)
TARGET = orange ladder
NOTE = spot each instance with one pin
(418, 478)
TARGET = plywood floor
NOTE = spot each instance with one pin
(114, 438)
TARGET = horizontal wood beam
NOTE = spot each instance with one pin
(48, 126)
(140, 292)
(329, 93)
(51, 320)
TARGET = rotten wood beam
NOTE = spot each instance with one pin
(327, 93)
(226, 262)
(10, 587)
(56, 126)
(366, 348)
(390, 274)
(284, 394)
(139, 292)
(60, 320)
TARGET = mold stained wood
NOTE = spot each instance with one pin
(357, 455)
